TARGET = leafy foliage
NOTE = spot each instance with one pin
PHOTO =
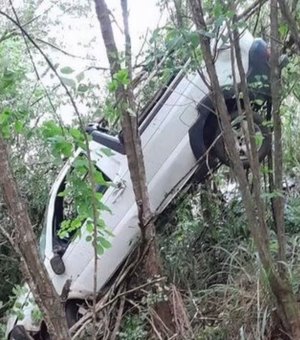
(79, 198)
(208, 254)
(133, 329)
(204, 240)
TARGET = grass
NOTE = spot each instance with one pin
(209, 254)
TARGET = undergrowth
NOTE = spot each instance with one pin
(209, 255)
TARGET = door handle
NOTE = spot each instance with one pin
(119, 189)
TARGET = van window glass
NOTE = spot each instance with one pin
(66, 209)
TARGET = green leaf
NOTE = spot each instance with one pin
(100, 250)
(76, 134)
(76, 223)
(122, 77)
(113, 86)
(51, 129)
(104, 207)
(90, 227)
(99, 178)
(62, 194)
(80, 163)
(19, 126)
(4, 116)
(194, 39)
(82, 88)
(66, 70)
(89, 238)
(105, 243)
(8, 79)
(5, 131)
(259, 138)
(283, 29)
(62, 146)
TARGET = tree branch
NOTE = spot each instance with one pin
(288, 17)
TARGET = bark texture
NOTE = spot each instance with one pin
(25, 244)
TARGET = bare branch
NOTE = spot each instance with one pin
(251, 10)
(57, 48)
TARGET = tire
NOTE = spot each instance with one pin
(263, 148)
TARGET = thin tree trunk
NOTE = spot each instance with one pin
(287, 306)
(133, 148)
(275, 90)
(288, 17)
(25, 244)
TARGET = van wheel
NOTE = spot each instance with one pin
(239, 124)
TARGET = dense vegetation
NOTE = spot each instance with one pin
(210, 260)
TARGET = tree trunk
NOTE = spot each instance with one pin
(278, 201)
(25, 244)
(133, 148)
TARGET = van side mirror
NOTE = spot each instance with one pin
(57, 264)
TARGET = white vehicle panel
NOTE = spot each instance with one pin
(161, 157)
(125, 237)
(160, 187)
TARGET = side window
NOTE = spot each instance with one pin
(66, 209)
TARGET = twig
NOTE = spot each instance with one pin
(63, 51)
(147, 318)
(99, 68)
(7, 235)
(116, 22)
(141, 48)
(36, 71)
(162, 326)
(250, 10)
(86, 319)
(154, 327)
(118, 319)
(180, 315)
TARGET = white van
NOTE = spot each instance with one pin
(176, 131)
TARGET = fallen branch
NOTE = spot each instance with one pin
(86, 319)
